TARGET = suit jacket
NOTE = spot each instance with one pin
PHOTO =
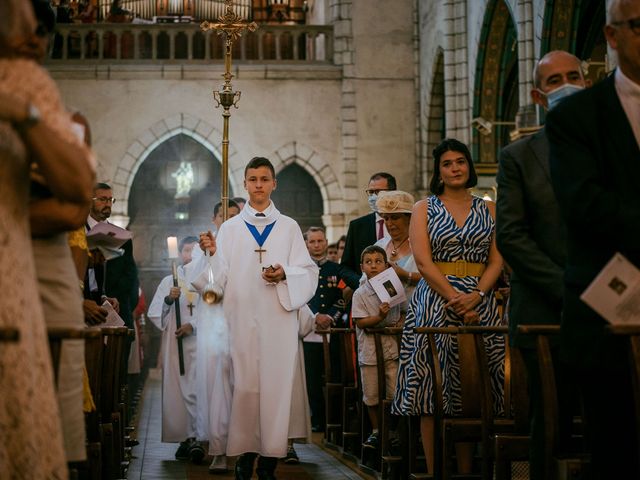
(328, 297)
(531, 235)
(121, 282)
(361, 234)
(595, 167)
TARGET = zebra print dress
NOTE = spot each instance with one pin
(471, 242)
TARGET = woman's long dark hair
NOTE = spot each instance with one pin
(450, 145)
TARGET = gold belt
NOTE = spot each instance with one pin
(461, 268)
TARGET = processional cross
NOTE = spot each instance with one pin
(232, 27)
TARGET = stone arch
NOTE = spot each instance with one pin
(138, 151)
(496, 83)
(436, 117)
(333, 204)
(577, 27)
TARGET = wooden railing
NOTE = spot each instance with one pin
(185, 42)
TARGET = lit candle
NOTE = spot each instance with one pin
(172, 246)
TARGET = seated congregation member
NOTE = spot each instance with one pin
(34, 128)
(368, 311)
(327, 307)
(260, 260)
(449, 227)
(395, 209)
(178, 391)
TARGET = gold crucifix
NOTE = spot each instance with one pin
(260, 251)
(231, 26)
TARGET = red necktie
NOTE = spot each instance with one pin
(380, 228)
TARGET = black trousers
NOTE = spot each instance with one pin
(314, 370)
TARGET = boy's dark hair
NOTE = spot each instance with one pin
(450, 145)
(373, 249)
(343, 238)
(391, 180)
(186, 241)
(257, 162)
(332, 245)
(218, 206)
(102, 186)
(239, 199)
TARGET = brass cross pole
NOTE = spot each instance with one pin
(231, 26)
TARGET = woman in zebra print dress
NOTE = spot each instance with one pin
(449, 226)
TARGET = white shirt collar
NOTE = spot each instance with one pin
(267, 211)
(626, 86)
(92, 222)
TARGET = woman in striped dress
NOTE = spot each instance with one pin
(447, 228)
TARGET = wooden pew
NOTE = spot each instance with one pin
(351, 394)
(632, 332)
(57, 335)
(332, 392)
(93, 352)
(477, 423)
(390, 461)
(112, 436)
(558, 464)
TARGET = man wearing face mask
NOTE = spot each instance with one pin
(531, 236)
(594, 139)
(368, 229)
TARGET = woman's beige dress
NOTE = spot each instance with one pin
(30, 431)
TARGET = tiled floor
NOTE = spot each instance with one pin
(154, 460)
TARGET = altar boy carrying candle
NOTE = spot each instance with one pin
(178, 391)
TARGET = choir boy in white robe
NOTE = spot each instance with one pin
(213, 371)
(261, 261)
(178, 391)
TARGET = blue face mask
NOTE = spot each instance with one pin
(372, 202)
(554, 96)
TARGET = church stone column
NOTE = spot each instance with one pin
(526, 116)
(456, 72)
(340, 15)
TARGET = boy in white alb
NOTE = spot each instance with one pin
(261, 262)
(178, 391)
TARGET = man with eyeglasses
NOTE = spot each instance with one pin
(119, 278)
(368, 229)
(594, 138)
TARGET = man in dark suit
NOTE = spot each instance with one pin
(595, 166)
(531, 236)
(118, 278)
(368, 229)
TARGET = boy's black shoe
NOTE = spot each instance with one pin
(266, 468)
(372, 441)
(197, 453)
(183, 450)
(244, 466)
(292, 456)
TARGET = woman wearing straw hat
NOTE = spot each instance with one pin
(395, 209)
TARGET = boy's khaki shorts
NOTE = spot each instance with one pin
(369, 375)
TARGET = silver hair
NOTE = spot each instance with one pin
(614, 11)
